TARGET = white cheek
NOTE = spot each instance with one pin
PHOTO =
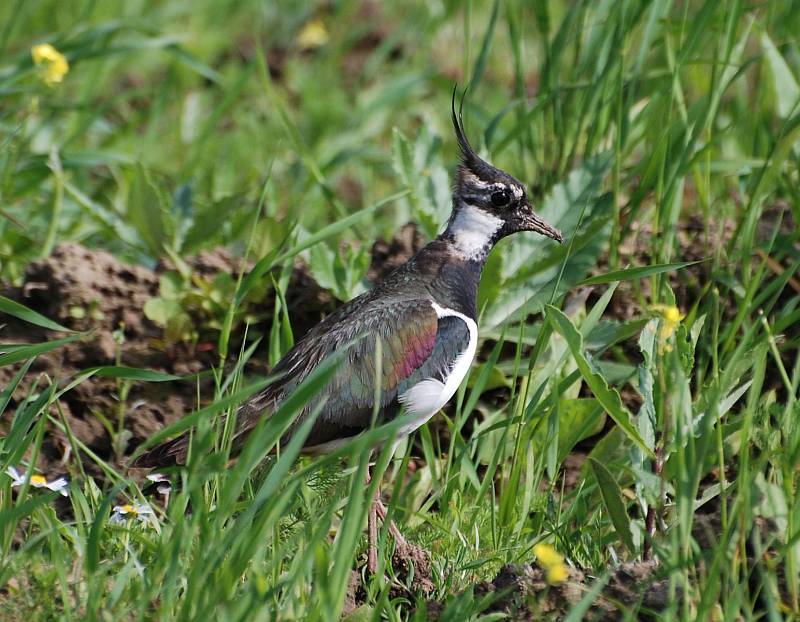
(473, 231)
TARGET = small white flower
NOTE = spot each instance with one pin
(139, 511)
(60, 485)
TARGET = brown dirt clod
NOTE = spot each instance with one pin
(522, 593)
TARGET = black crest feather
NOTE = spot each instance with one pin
(469, 158)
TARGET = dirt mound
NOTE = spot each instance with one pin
(521, 592)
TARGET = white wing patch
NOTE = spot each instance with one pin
(425, 398)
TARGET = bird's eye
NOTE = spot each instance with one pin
(500, 198)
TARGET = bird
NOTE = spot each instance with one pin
(424, 314)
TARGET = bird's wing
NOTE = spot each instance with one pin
(416, 345)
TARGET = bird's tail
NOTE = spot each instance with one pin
(169, 453)
(174, 452)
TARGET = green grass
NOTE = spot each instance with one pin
(185, 126)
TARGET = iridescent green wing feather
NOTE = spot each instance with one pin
(415, 344)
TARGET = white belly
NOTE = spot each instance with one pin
(428, 396)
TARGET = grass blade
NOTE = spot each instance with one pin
(29, 315)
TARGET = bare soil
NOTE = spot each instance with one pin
(521, 592)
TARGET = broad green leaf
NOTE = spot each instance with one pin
(606, 395)
(491, 285)
(628, 274)
(612, 500)
(562, 209)
(429, 198)
(647, 419)
(341, 271)
(577, 419)
(146, 212)
(338, 227)
(784, 84)
(28, 315)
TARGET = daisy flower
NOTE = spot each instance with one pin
(139, 511)
(59, 485)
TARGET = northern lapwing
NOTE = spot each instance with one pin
(424, 314)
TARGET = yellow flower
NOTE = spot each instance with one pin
(313, 35)
(670, 318)
(52, 63)
(552, 562)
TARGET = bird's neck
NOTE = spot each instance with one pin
(472, 232)
(452, 264)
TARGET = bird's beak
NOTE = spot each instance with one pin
(532, 222)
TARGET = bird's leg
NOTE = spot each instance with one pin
(372, 539)
(380, 510)
(372, 528)
(377, 511)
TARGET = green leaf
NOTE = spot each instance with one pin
(628, 274)
(12, 516)
(133, 373)
(93, 553)
(606, 395)
(161, 310)
(577, 419)
(784, 84)
(419, 167)
(561, 208)
(145, 211)
(28, 315)
(612, 500)
(13, 353)
(8, 391)
(647, 419)
(338, 227)
(486, 44)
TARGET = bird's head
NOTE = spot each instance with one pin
(488, 204)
